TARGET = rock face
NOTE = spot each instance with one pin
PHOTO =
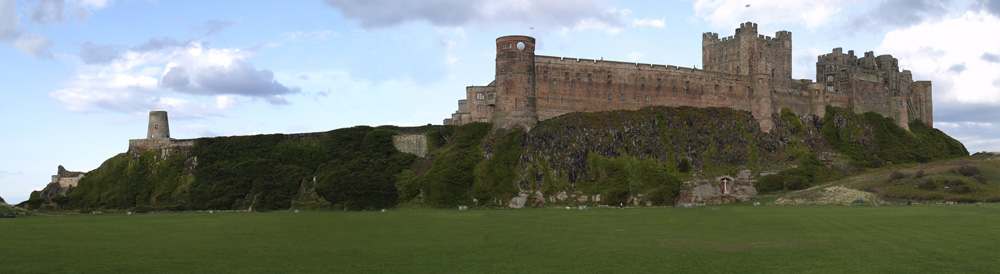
(704, 136)
(721, 190)
(415, 144)
(61, 182)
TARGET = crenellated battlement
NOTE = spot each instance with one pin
(747, 71)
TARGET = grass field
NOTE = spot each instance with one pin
(896, 239)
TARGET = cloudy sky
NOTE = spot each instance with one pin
(78, 77)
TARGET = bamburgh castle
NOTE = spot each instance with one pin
(747, 71)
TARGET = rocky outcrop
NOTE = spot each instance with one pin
(706, 137)
(719, 190)
(61, 182)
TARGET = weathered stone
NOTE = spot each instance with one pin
(747, 71)
(519, 200)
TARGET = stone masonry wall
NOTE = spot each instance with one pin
(414, 144)
(746, 71)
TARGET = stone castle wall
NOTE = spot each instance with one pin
(415, 144)
(567, 85)
(746, 71)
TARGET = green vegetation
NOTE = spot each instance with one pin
(449, 181)
(913, 239)
(617, 154)
(355, 169)
(127, 181)
(810, 171)
(496, 177)
(615, 179)
(973, 179)
(870, 140)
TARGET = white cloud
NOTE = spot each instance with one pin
(44, 12)
(966, 101)
(729, 13)
(582, 15)
(311, 35)
(648, 23)
(34, 45)
(634, 56)
(934, 49)
(144, 78)
(451, 60)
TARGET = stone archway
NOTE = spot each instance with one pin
(726, 184)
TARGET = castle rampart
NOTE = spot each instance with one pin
(747, 71)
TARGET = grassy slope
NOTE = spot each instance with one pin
(729, 239)
(898, 191)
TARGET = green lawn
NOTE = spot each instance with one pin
(898, 239)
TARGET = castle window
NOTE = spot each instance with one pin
(772, 73)
(646, 98)
(480, 96)
(760, 81)
(658, 82)
(493, 108)
(623, 96)
(482, 120)
(567, 76)
(609, 79)
(730, 89)
(686, 86)
(610, 97)
(545, 75)
(899, 103)
(578, 77)
(589, 80)
(490, 96)
(716, 89)
(642, 84)
(479, 108)
(737, 69)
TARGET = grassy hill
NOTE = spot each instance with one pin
(965, 180)
(619, 155)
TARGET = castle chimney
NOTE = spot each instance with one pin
(159, 128)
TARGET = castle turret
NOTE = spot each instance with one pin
(515, 82)
(159, 128)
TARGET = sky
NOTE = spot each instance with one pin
(79, 77)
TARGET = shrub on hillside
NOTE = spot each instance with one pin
(962, 189)
(143, 209)
(684, 166)
(920, 174)
(449, 181)
(770, 183)
(968, 170)
(979, 178)
(896, 175)
(925, 185)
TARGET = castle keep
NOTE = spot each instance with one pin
(747, 71)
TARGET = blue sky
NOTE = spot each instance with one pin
(78, 77)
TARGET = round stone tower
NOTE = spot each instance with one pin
(515, 82)
(159, 128)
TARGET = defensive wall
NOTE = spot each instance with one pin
(747, 71)
(158, 138)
